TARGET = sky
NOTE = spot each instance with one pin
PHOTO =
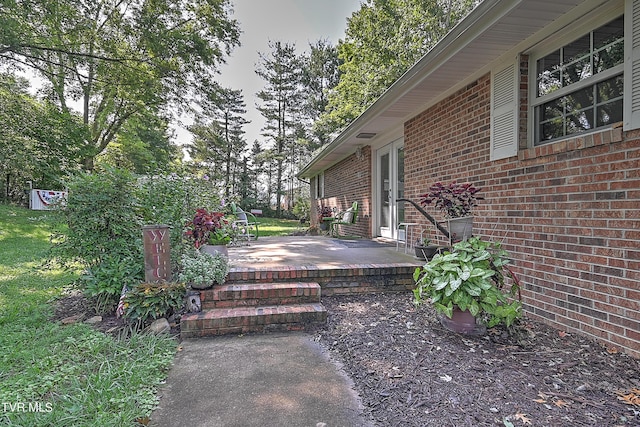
(288, 21)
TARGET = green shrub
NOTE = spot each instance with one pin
(102, 233)
(154, 300)
(103, 282)
(203, 269)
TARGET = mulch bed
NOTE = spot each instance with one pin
(410, 371)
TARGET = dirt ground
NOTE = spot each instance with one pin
(410, 371)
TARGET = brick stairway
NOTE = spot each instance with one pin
(236, 308)
(281, 298)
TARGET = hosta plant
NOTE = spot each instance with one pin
(471, 277)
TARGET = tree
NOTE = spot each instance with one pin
(116, 58)
(383, 40)
(38, 142)
(281, 71)
(218, 135)
(320, 75)
(143, 146)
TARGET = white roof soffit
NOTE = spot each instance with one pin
(486, 33)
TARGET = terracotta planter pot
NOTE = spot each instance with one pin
(462, 322)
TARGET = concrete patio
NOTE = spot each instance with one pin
(318, 251)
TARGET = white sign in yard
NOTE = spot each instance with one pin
(44, 199)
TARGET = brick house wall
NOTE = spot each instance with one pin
(344, 183)
(567, 212)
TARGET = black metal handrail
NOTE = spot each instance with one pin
(429, 217)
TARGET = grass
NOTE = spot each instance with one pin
(54, 375)
(279, 227)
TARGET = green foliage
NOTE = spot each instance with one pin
(471, 278)
(101, 217)
(383, 40)
(38, 142)
(154, 300)
(103, 233)
(87, 377)
(203, 269)
(118, 59)
(172, 199)
(103, 282)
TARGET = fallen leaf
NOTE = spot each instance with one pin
(562, 334)
(539, 400)
(612, 350)
(143, 420)
(561, 403)
(523, 417)
(631, 398)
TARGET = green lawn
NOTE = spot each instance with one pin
(279, 227)
(54, 375)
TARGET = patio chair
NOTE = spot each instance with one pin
(350, 216)
(246, 225)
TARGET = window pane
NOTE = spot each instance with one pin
(552, 109)
(609, 113)
(609, 89)
(608, 57)
(576, 71)
(609, 33)
(549, 73)
(550, 130)
(579, 121)
(577, 49)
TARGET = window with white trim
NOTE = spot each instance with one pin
(579, 86)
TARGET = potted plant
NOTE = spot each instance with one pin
(324, 212)
(424, 249)
(210, 231)
(201, 270)
(455, 201)
(466, 286)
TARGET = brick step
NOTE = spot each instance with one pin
(334, 279)
(239, 320)
(259, 294)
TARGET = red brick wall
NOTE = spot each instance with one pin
(567, 212)
(347, 182)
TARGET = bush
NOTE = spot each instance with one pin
(203, 269)
(103, 282)
(154, 300)
(103, 216)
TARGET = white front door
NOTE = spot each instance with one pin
(389, 188)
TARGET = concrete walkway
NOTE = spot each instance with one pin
(274, 380)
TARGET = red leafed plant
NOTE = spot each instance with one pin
(454, 200)
(208, 228)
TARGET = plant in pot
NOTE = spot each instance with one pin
(325, 215)
(201, 270)
(209, 231)
(424, 249)
(467, 287)
(455, 201)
